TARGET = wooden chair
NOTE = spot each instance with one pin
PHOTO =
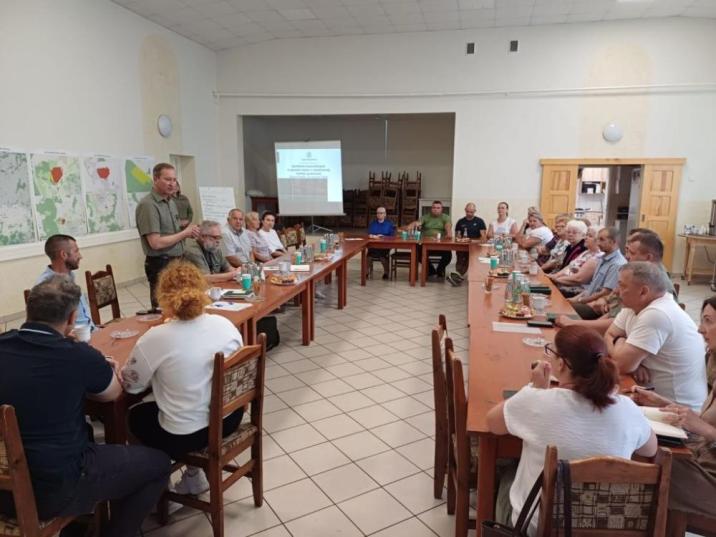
(679, 522)
(439, 337)
(293, 236)
(101, 292)
(26, 294)
(610, 496)
(399, 258)
(677, 288)
(15, 478)
(238, 380)
(462, 471)
(372, 258)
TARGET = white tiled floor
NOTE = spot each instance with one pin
(348, 421)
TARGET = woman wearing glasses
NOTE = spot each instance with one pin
(583, 417)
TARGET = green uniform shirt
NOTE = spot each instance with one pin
(207, 262)
(155, 214)
(432, 225)
(184, 207)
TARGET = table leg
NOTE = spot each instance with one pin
(307, 312)
(486, 464)
(686, 261)
(363, 265)
(342, 277)
(423, 266)
(248, 329)
(413, 265)
(690, 250)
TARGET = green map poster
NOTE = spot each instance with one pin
(138, 176)
(103, 179)
(57, 191)
(16, 223)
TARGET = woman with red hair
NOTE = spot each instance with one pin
(583, 417)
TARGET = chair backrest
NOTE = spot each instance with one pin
(610, 496)
(238, 380)
(439, 380)
(459, 409)
(101, 292)
(293, 236)
(14, 474)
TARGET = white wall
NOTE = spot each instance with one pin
(414, 143)
(500, 136)
(72, 80)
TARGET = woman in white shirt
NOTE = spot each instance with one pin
(537, 234)
(268, 219)
(583, 417)
(504, 225)
(177, 359)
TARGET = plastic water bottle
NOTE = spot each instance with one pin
(508, 292)
(516, 287)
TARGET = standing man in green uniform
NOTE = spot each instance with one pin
(186, 213)
(430, 225)
(158, 225)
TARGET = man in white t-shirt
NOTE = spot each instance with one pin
(653, 331)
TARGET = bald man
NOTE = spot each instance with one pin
(470, 226)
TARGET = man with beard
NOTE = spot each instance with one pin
(65, 257)
(205, 252)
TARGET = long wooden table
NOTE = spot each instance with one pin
(114, 414)
(500, 361)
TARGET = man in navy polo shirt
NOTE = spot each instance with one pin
(46, 377)
(470, 226)
(381, 227)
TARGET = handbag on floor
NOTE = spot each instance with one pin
(269, 326)
(495, 529)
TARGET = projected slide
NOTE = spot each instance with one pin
(309, 177)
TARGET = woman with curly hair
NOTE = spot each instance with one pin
(176, 359)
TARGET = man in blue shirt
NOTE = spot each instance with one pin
(381, 227)
(46, 377)
(65, 257)
(606, 275)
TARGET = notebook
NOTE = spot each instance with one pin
(659, 425)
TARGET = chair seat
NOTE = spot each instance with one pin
(10, 528)
(244, 432)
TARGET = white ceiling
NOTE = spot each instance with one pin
(221, 24)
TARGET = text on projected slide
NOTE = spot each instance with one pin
(309, 177)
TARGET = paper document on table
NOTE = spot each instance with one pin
(270, 268)
(228, 306)
(300, 268)
(485, 260)
(658, 424)
(514, 328)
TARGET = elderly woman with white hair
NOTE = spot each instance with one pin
(573, 277)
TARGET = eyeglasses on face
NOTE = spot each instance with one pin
(551, 352)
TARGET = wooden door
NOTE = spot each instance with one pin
(659, 203)
(559, 190)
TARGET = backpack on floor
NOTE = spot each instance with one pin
(269, 326)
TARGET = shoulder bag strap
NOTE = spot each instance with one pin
(566, 496)
(528, 509)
